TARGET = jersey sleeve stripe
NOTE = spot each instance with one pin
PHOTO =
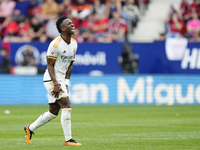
(51, 57)
(59, 39)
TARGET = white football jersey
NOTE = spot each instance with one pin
(63, 53)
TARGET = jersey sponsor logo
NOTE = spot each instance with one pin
(66, 58)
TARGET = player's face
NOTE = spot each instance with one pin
(69, 27)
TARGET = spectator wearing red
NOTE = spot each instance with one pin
(100, 26)
(85, 29)
(81, 10)
(186, 9)
(9, 26)
(24, 28)
(87, 24)
(117, 28)
(196, 6)
(176, 26)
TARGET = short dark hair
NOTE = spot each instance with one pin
(59, 22)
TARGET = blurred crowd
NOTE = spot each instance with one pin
(95, 20)
(184, 22)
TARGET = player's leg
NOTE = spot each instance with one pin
(42, 119)
(66, 121)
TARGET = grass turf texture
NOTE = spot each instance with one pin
(106, 127)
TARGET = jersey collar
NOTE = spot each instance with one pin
(65, 40)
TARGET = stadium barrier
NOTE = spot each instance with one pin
(175, 56)
(106, 89)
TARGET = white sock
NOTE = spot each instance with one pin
(42, 119)
(66, 123)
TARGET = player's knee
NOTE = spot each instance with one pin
(64, 102)
(54, 112)
(67, 104)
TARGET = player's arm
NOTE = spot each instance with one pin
(68, 74)
(50, 66)
(69, 71)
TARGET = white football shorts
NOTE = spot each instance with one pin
(49, 87)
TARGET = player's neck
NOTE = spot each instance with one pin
(67, 38)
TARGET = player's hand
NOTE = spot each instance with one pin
(67, 88)
(56, 90)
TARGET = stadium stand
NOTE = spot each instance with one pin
(151, 23)
(18, 22)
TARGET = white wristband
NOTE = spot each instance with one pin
(66, 81)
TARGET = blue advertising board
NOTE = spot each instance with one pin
(104, 57)
(107, 89)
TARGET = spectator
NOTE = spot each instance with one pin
(22, 6)
(111, 6)
(87, 24)
(81, 10)
(18, 17)
(36, 30)
(37, 11)
(195, 38)
(100, 27)
(9, 26)
(6, 9)
(193, 25)
(98, 8)
(48, 8)
(161, 37)
(51, 30)
(117, 27)
(29, 58)
(65, 7)
(6, 63)
(89, 37)
(130, 12)
(186, 9)
(176, 26)
(195, 6)
(24, 28)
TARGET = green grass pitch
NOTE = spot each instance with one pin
(106, 128)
